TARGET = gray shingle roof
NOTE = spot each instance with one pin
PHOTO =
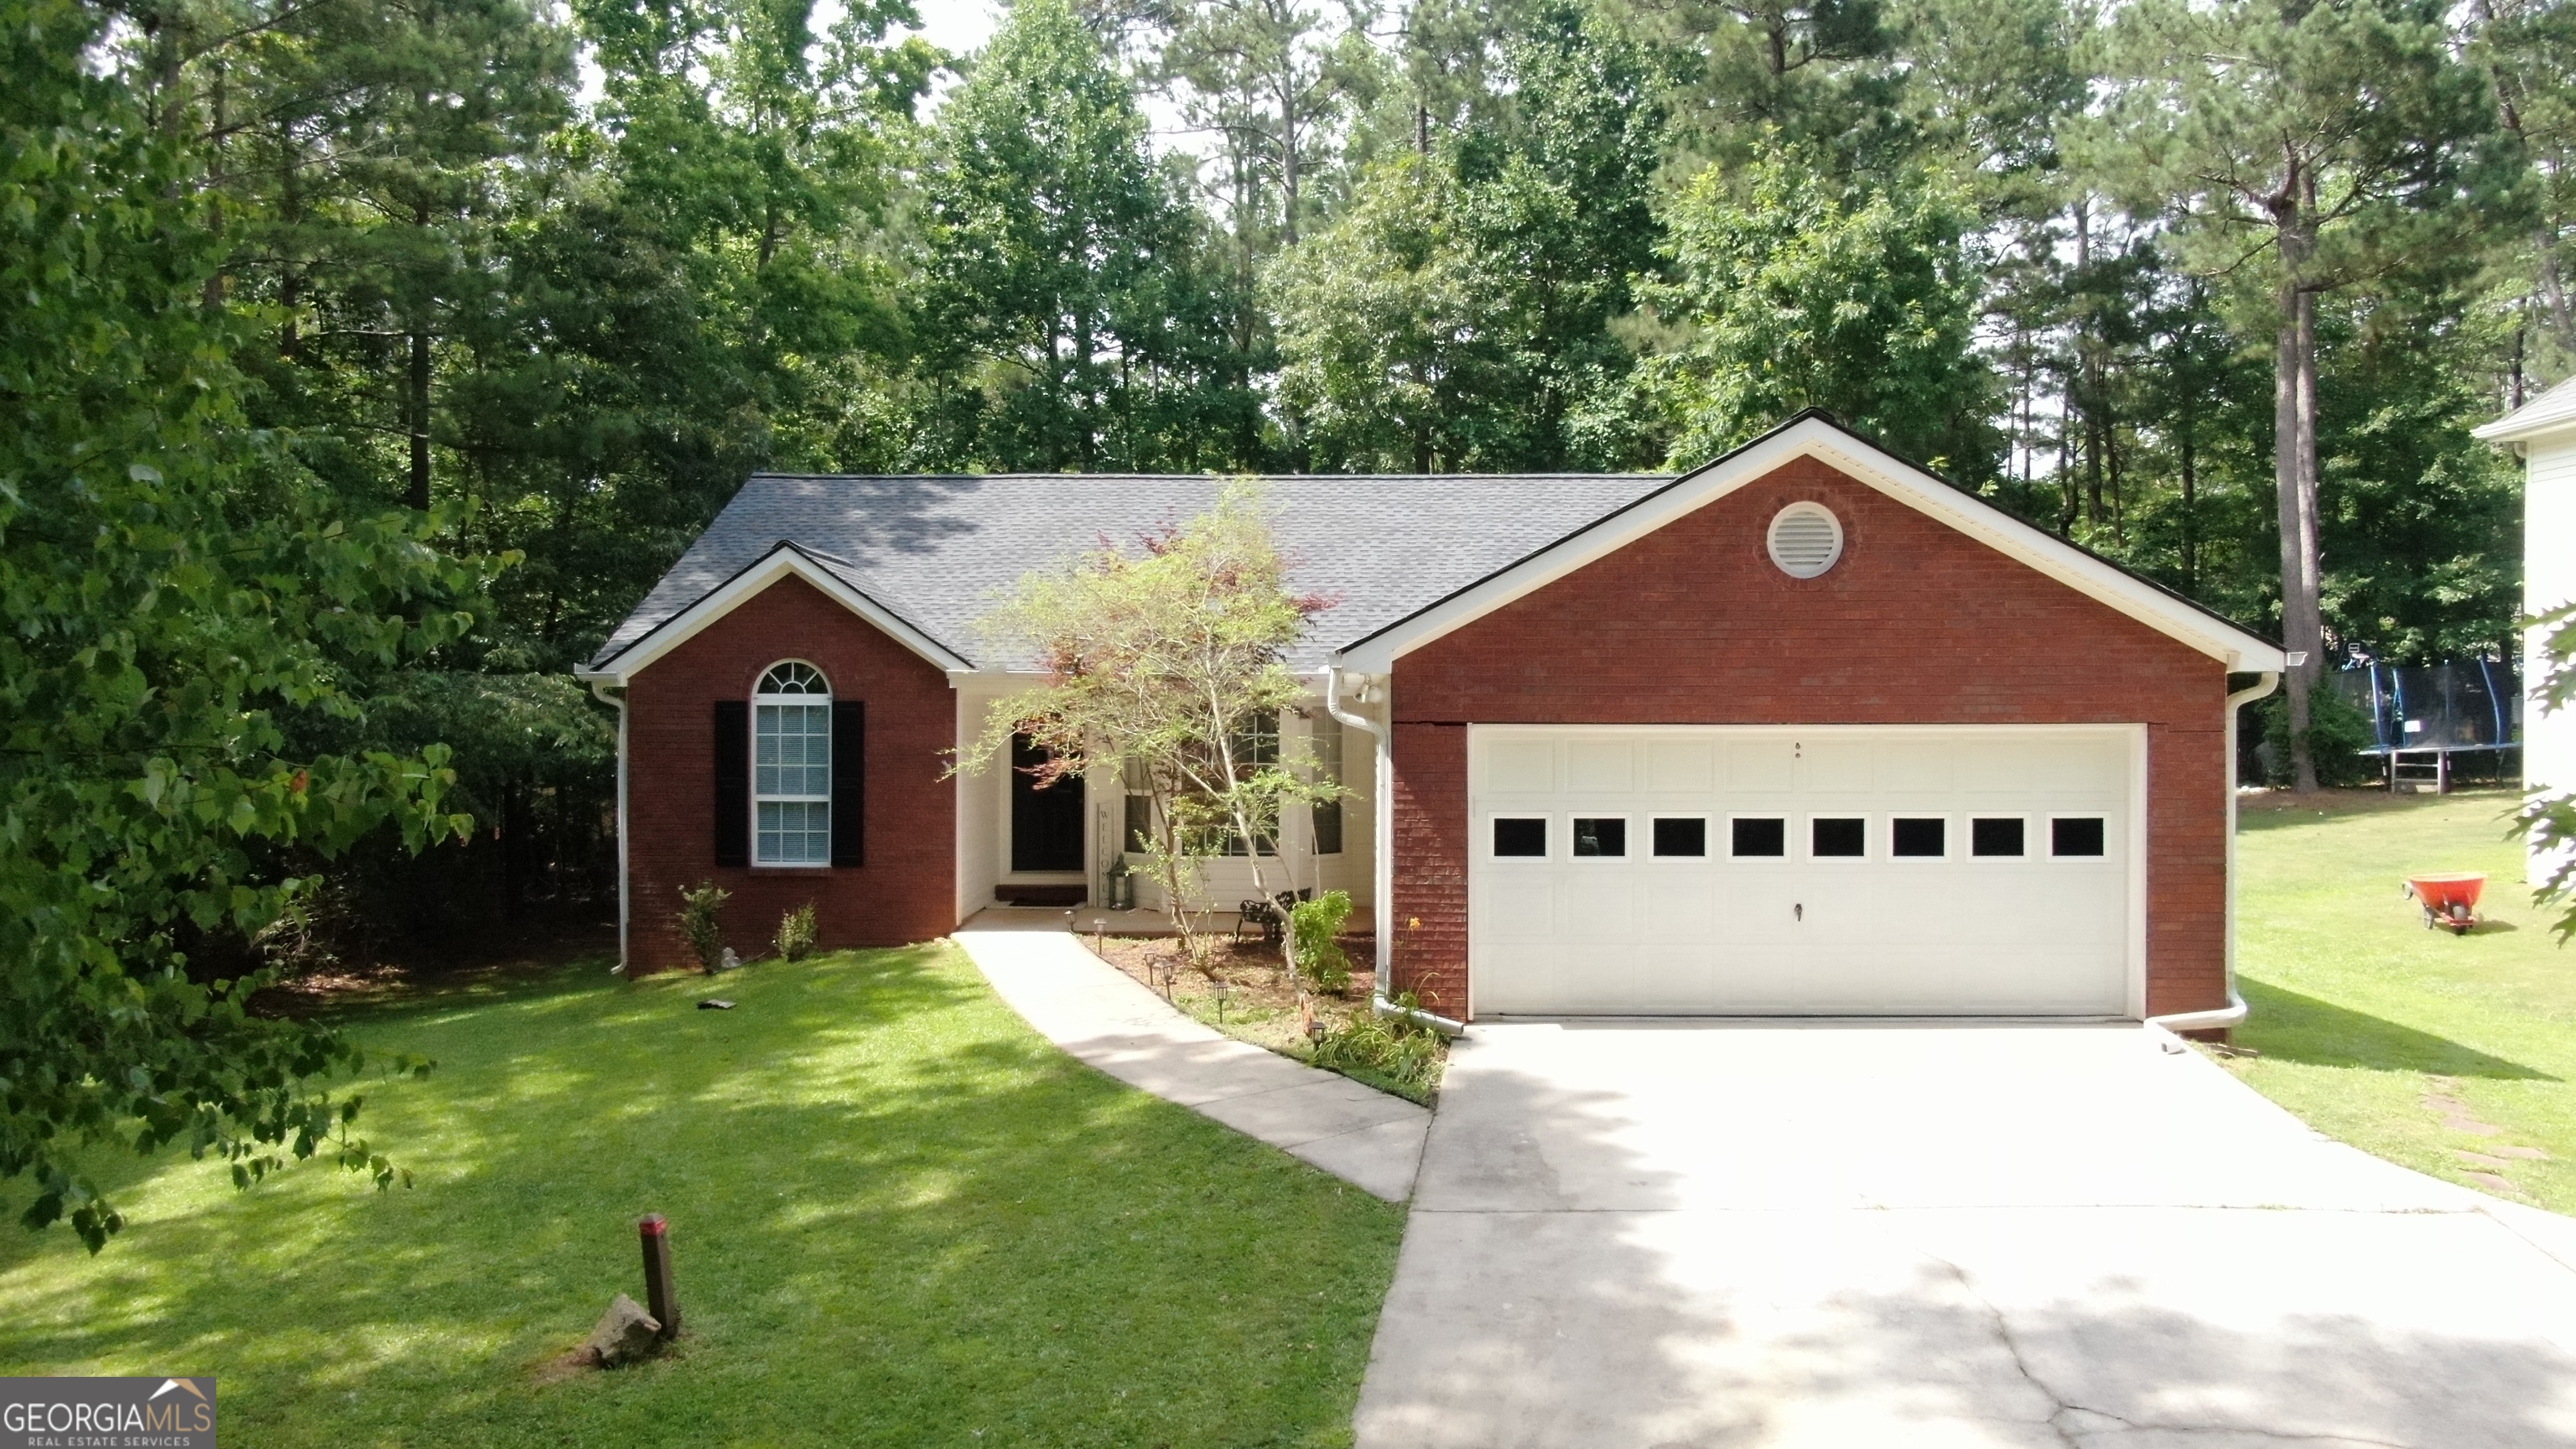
(943, 550)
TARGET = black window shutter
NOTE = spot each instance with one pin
(849, 782)
(733, 782)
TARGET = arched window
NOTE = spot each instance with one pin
(791, 766)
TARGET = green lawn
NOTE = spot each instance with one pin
(899, 1218)
(2357, 1008)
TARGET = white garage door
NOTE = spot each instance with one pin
(1828, 871)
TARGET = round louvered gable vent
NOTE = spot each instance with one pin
(1806, 539)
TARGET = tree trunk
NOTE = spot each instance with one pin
(2190, 512)
(416, 410)
(416, 393)
(2294, 468)
(290, 286)
(1288, 162)
(216, 278)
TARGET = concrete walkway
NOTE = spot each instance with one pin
(1703, 1234)
(1099, 1014)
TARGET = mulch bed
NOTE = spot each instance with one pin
(1259, 1002)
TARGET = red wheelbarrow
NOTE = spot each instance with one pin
(2448, 900)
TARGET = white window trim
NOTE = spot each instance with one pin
(831, 766)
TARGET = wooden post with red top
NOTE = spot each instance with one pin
(660, 1299)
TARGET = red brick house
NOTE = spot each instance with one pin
(1804, 731)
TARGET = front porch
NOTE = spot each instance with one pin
(1001, 831)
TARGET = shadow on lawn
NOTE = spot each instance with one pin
(899, 1216)
(2288, 1026)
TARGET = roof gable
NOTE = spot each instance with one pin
(783, 560)
(1816, 436)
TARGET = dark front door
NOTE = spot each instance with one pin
(1046, 823)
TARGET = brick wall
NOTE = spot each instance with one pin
(906, 891)
(1917, 624)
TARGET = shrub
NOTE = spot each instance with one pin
(702, 923)
(2338, 732)
(796, 933)
(1312, 925)
(1394, 1048)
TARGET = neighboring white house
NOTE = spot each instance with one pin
(2543, 431)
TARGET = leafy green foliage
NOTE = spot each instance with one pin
(2337, 733)
(181, 596)
(1065, 299)
(1461, 314)
(1390, 1048)
(700, 921)
(1314, 928)
(795, 940)
(1803, 292)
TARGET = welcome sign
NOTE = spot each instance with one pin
(68, 1413)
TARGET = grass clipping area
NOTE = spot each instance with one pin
(899, 1217)
(2453, 1055)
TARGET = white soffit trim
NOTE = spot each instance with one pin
(2239, 650)
(2553, 411)
(780, 562)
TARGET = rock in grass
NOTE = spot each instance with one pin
(715, 1003)
(625, 1333)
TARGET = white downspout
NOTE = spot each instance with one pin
(599, 691)
(1382, 862)
(2233, 1012)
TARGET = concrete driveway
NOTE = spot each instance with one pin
(1704, 1234)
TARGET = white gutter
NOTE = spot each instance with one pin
(599, 690)
(1382, 862)
(2233, 1013)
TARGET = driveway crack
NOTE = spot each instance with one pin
(2067, 1433)
(2056, 1420)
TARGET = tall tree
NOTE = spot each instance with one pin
(1270, 78)
(179, 599)
(1799, 291)
(1067, 293)
(359, 160)
(1463, 311)
(2528, 47)
(2335, 142)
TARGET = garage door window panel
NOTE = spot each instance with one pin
(1599, 837)
(1838, 837)
(1681, 836)
(1519, 837)
(1998, 836)
(1758, 837)
(1918, 837)
(2077, 837)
